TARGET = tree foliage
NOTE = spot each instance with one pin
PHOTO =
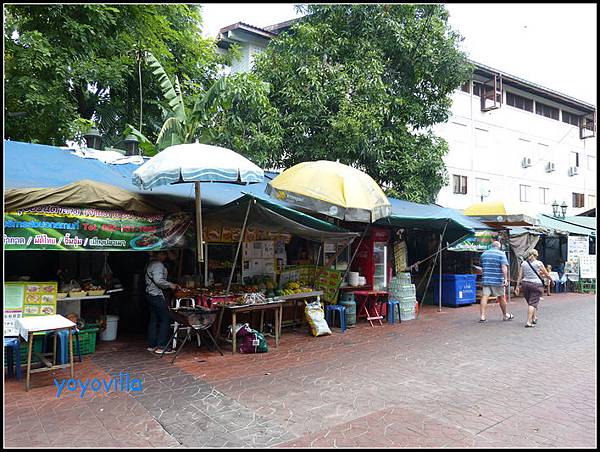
(69, 62)
(364, 84)
(233, 112)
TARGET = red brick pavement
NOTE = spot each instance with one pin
(443, 380)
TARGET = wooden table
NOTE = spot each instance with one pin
(293, 299)
(27, 326)
(239, 309)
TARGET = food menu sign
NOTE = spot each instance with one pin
(27, 299)
(80, 229)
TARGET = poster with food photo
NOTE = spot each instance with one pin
(39, 298)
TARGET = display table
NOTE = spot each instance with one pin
(27, 326)
(104, 297)
(367, 300)
(294, 300)
(355, 288)
(276, 305)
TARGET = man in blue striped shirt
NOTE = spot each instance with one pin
(495, 280)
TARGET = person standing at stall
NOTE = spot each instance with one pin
(495, 280)
(531, 279)
(156, 285)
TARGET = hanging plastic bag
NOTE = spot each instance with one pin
(316, 319)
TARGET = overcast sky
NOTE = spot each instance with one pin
(553, 45)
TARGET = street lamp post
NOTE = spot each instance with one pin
(563, 209)
(555, 209)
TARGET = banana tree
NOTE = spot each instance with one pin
(180, 126)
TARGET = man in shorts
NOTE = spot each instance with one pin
(495, 280)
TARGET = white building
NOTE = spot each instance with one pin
(529, 147)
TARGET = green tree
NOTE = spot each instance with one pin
(364, 84)
(69, 62)
(234, 112)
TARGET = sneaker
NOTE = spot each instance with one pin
(159, 351)
(151, 349)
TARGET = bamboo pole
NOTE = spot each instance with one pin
(237, 251)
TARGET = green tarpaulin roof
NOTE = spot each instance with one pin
(564, 227)
(430, 217)
(269, 216)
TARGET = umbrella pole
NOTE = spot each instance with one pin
(440, 282)
(199, 248)
(237, 252)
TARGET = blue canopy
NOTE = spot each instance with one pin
(29, 166)
(40, 166)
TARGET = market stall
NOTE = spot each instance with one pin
(275, 263)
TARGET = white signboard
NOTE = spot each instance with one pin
(578, 245)
(587, 267)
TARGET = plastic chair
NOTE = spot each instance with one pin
(183, 316)
(390, 311)
(12, 343)
(330, 311)
(189, 302)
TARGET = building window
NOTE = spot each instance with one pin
(591, 201)
(591, 162)
(477, 88)
(570, 118)
(574, 158)
(519, 102)
(524, 193)
(546, 110)
(544, 195)
(460, 184)
(466, 87)
(578, 200)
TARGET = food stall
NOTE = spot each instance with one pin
(275, 263)
(73, 247)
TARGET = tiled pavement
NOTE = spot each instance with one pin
(443, 380)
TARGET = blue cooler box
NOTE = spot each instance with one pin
(457, 290)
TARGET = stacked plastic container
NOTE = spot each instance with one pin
(402, 290)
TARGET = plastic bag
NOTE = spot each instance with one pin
(316, 319)
(251, 341)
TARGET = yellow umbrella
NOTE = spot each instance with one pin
(500, 213)
(333, 189)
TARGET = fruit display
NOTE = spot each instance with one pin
(294, 287)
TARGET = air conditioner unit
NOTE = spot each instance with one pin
(573, 171)
(550, 167)
(526, 162)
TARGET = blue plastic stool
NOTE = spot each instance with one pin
(330, 311)
(62, 351)
(14, 349)
(390, 311)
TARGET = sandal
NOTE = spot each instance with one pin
(482, 320)
(529, 325)
(534, 321)
(510, 317)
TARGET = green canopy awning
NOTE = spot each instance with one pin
(276, 218)
(564, 227)
(430, 217)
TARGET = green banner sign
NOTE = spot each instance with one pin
(79, 229)
(481, 241)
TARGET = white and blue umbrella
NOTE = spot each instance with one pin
(196, 163)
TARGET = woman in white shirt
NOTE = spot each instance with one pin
(531, 279)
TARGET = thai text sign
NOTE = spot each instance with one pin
(480, 241)
(82, 229)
